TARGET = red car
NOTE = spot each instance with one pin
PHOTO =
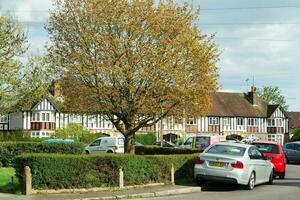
(274, 151)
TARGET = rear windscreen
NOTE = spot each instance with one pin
(227, 150)
(267, 148)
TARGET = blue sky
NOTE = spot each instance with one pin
(259, 43)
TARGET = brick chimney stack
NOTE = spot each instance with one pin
(252, 96)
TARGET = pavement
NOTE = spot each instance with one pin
(134, 193)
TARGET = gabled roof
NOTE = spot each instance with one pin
(227, 104)
(49, 97)
(294, 119)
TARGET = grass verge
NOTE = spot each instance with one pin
(8, 181)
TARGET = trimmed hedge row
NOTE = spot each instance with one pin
(156, 150)
(8, 150)
(54, 171)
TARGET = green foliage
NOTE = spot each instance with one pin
(272, 95)
(145, 139)
(77, 132)
(155, 150)
(8, 150)
(54, 171)
(18, 135)
(296, 134)
(73, 130)
(8, 181)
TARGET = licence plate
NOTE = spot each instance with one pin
(217, 164)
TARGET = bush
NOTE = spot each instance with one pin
(89, 138)
(53, 171)
(18, 135)
(8, 150)
(146, 139)
(155, 150)
(72, 130)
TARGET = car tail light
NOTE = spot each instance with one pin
(116, 147)
(238, 165)
(199, 161)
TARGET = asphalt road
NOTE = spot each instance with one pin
(288, 189)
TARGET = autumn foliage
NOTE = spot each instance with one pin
(137, 61)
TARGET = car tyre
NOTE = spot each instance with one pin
(251, 182)
(109, 151)
(87, 152)
(282, 175)
(271, 177)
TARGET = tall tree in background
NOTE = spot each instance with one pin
(20, 82)
(272, 95)
(12, 45)
(136, 61)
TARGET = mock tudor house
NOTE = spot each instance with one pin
(241, 114)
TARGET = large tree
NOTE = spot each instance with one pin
(21, 82)
(137, 61)
(272, 95)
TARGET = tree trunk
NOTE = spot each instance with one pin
(129, 144)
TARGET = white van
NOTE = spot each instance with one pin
(106, 145)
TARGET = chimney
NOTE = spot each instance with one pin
(252, 96)
(55, 89)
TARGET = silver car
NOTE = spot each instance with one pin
(233, 163)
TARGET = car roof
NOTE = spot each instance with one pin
(295, 142)
(264, 142)
(235, 144)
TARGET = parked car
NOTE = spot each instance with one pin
(275, 152)
(106, 145)
(165, 144)
(250, 139)
(202, 141)
(292, 151)
(234, 163)
(56, 140)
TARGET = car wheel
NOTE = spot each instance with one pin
(251, 182)
(271, 177)
(109, 151)
(282, 175)
(87, 152)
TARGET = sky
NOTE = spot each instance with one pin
(259, 39)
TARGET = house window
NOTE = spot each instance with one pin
(226, 121)
(240, 121)
(252, 122)
(213, 120)
(43, 117)
(271, 122)
(47, 117)
(279, 122)
(3, 119)
(191, 122)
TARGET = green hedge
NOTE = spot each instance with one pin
(8, 150)
(54, 171)
(156, 150)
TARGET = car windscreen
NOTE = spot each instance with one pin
(121, 141)
(267, 148)
(227, 150)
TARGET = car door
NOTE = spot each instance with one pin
(290, 152)
(260, 165)
(188, 143)
(297, 152)
(95, 146)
